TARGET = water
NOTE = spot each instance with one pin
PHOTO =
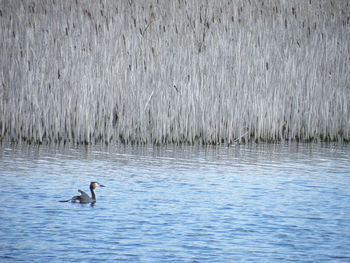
(247, 203)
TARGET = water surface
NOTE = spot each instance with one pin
(245, 203)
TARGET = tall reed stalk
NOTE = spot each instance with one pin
(180, 71)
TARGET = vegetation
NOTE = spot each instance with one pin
(181, 71)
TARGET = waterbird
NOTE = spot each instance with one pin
(84, 198)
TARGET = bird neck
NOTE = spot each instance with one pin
(93, 195)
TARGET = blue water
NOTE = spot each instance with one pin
(247, 203)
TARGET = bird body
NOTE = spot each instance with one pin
(84, 198)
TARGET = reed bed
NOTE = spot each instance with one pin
(181, 71)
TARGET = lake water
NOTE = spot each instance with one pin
(244, 203)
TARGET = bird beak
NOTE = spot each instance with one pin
(102, 185)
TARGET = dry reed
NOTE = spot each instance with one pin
(181, 71)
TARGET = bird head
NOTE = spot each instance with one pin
(93, 185)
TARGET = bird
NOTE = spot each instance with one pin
(84, 198)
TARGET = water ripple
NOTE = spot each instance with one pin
(252, 203)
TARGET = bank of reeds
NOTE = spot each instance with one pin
(179, 71)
